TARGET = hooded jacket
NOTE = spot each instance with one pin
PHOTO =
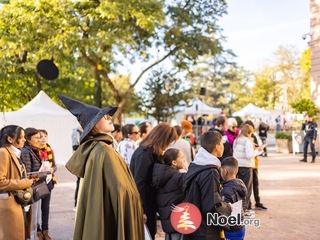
(109, 205)
(202, 188)
(233, 191)
(168, 183)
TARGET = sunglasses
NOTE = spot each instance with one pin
(135, 133)
(107, 117)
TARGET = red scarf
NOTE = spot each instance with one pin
(46, 154)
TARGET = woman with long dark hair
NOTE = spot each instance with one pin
(31, 158)
(12, 178)
(149, 152)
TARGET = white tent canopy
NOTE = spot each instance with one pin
(43, 113)
(198, 107)
(251, 110)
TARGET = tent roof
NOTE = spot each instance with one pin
(42, 103)
(198, 107)
(43, 113)
(252, 110)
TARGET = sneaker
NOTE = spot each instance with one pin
(303, 160)
(249, 213)
(260, 206)
(249, 216)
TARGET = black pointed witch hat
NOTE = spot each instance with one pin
(87, 115)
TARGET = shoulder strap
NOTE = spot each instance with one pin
(192, 157)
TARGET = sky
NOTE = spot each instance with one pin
(255, 28)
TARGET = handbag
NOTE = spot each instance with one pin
(40, 190)
(24, 196)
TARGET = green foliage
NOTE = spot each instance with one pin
(227, 84)
(305, 61)
(91, 41)
(281, 82)
(305, 106)
(283, 135)
(161, 93)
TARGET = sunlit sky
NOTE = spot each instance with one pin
(255, 28)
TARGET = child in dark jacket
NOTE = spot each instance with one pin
(202, 186)
(168, 181)
(233, 191)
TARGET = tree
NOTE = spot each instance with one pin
(267, 90)
(161, 93)
(226, 83)
(110, 36)
(280, 82)
(305, 105)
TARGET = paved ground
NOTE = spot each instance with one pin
(290, 189)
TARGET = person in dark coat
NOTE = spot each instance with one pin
(31, 158)
(168, 181)
(233, 191)
(202, 185)
(220, 127)
(149, 152)
(310, 129)
(263, 134)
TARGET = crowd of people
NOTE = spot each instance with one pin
(129, 176)
(23, 151)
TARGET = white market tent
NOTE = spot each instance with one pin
(43, 113)
(198, 107)
(251, 110)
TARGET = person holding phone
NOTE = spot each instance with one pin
(13, 177)
(31, 158)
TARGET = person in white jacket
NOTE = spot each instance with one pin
(244, 151)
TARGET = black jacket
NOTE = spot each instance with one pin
(263, 129)
(234, 190)
(31, 159)
(228, 152)
(168, 183)
(202, 188)
(310, 129)
(141, 166)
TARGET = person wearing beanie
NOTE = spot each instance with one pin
(109, 205)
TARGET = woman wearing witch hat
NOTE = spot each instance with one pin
(109, 205)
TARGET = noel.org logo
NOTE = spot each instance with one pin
(185, 218)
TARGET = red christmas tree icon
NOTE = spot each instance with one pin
(185, 218)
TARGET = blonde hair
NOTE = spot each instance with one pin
(246, 130)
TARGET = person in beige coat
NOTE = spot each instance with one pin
(12, 177)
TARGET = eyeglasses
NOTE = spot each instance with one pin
(107, 117)
(135, 133)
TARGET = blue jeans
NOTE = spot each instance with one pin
(238, 235)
